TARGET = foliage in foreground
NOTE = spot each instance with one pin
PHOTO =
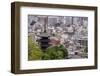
(55, 52)
(51, 53)
(34, 52)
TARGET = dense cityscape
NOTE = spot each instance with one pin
(69, 31)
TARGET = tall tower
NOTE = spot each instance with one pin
(44, 36)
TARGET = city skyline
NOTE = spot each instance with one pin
(69, 31)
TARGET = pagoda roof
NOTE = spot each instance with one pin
(44, 35)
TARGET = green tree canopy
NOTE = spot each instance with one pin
(55, 52)
(34, 51)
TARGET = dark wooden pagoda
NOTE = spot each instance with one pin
(44, 41)
(44, 37)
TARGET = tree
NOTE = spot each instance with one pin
(55, 52)
(64, 50)
(86, 50)
(34, 51)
